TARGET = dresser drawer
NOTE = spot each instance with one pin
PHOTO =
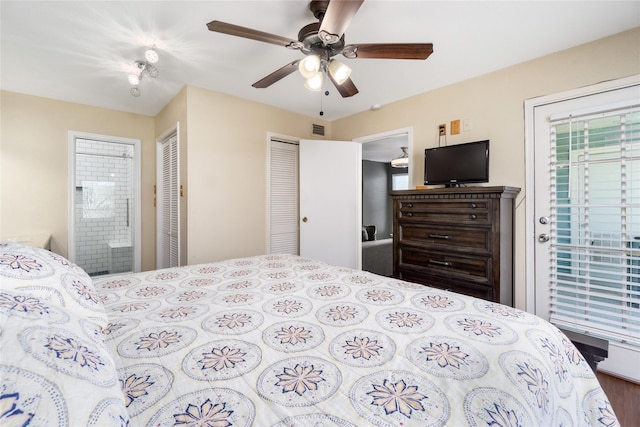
(460, 238)
(445, 211)
(455, 267)
(478, 291)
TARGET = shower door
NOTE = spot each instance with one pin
(104, 204)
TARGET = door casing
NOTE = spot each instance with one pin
(623, 360)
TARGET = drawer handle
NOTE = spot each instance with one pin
(409, 205)
(409, 214)
(473, 206)
(442, 263)
(439, 236)
(473, 216)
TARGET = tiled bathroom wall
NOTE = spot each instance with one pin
(104, 206)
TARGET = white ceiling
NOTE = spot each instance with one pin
(80, 51)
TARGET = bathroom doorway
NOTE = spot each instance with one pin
(104, 196)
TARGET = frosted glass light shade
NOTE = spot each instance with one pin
(309, 66)
(315, 82)
(151, 56)
(339, 71)
(134, 79)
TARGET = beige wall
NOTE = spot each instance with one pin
(494, 105)
(223, 167)
(225, 144)
(227, 151)
(34, 177)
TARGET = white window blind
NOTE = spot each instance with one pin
(283, 198)
(595, 224)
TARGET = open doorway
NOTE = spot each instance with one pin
(104, 197)
(378, 178)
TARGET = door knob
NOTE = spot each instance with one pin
(305, 219)
(543, 238)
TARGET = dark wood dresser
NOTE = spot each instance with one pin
(459, 239)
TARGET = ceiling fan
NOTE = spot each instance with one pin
(320, 42)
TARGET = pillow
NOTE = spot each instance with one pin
(55, 366)
(52, 277)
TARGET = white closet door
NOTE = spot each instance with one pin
(169, 204)
(283, 198)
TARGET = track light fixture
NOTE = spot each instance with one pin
(151, 55)
(143, 68)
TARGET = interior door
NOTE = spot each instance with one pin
(282, 198)
(168, 203)
(330, 201)
(622, 360)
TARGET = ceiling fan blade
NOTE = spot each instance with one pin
(249, 33)
(277, 75)
(346, 89)
(337, 18)
(389, 50)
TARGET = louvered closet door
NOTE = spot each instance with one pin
(283, 198)
(169, 199)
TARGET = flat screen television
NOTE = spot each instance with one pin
(453, 165)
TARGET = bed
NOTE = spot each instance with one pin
(275, 340)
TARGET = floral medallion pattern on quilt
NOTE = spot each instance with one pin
(275, 341)
(282, 340)
(38, 270)
(55, 367)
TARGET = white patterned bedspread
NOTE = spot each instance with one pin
(286, 341)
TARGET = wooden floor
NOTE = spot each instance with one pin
(624, 397)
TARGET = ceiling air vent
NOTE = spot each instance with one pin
(317, 130)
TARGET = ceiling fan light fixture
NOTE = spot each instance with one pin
(339, 71)
(320, 41)
(309, 66)
(402, 161)
(314, 83)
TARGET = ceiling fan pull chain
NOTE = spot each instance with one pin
(326, 93)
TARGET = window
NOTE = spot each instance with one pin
(595, 227)
(400, 181)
